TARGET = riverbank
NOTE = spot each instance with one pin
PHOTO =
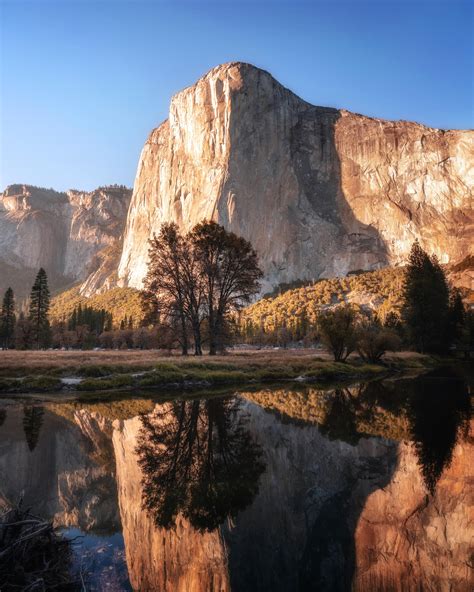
(55, 371)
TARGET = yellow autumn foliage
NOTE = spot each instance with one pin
(121, 302)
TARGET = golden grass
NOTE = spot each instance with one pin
(47, 360)
(59, 359)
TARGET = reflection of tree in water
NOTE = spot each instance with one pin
(3, 416)
(437, 407)
(32, 422)
(439, 411)
(340, 420)
(198, 459)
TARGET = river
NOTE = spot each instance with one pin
(363, 487)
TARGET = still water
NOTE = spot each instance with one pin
(366, 487)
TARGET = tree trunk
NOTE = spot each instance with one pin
(197, 344)
(212, 334)
(197, 338)
(184, 338)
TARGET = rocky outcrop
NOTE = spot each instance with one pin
(75, 236)
(318, 191)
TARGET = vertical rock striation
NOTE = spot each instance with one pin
(318, 191)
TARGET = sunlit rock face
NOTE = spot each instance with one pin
(180, 559)
(70, 234)
(318, 191)
(405, 537)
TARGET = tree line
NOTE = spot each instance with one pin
(33, 330)
(84, 328)
(198, 282)
(433, 318)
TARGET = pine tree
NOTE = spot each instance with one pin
(80, 319)
(457, 315)
(32, 422)
(39, 309)
(73, 320)
(426, 302)
(7, 320)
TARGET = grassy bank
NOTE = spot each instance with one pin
(22, 372)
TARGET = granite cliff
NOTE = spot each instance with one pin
(75, 236)
(319, 191)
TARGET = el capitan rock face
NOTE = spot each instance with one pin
(318, 191)
(75, 236)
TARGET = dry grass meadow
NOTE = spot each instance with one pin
(46, 360)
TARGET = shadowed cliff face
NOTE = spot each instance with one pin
(70, 234)
(59, 467)
(318, 191)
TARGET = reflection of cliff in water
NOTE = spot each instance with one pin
(260, 547)
(395, 538)
(52, 462)
(277, 490)
(432, 411)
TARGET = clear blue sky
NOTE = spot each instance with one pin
(83, 82)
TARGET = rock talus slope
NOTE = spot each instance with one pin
(318, 191)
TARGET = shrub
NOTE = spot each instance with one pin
(373, 341)
(41, 383)
(158, 378)
(222, 376)
(338, 331)
(102, 384)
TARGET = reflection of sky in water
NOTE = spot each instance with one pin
(100, 559)
(273, 490)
